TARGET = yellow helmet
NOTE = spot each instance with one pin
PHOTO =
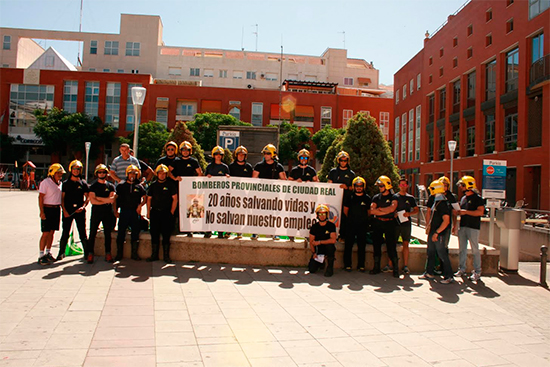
(75, 163)
(240, 150)
(322, 208)
(342, 154)
(218, 150)
(384, 180)
(186, 146)
(134, 169)
(303, 153)
(358, 180)
(270, 148)
(469, 182)
(445, 180)
(162, 168)
(100, 167)
(172, 143)
(54, 168)
(436, 187)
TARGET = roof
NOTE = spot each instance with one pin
(309, 84)
(59, 62)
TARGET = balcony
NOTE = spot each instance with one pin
(539, 74)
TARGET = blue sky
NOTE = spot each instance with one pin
(387, 32)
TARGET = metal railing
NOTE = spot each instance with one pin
(540, 70)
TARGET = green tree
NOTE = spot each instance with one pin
(330, 158)
(152, 137)
(291, 139)
(323, 139)
(205, 127)
(64, 132)
(370, 153)
(181, 133)
(227, 157)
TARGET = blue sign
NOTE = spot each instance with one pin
(494, 179)
(229, 139)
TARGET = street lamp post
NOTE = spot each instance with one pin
(138, 97)
(452, 148)
(87, 145)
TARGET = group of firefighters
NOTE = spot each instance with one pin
(386, 214)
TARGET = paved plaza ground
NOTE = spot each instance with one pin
(189, 314)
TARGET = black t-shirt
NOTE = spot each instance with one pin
(186, 167)
(443, 207)
(129, 195)
(451, 198)
(305, 173)
(102, 190)
(337, 175)
(214, 169)
(383, 201)
(74, 194)
(270, 171)
(471, 202)
(240, 170)
(168, 162)
(322, 232)
(161, 194)
(359, 206)
(405, 202)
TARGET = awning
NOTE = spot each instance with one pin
(275, 113)
(363, 80)
(29, 163)
(304, 111)
(211, 106)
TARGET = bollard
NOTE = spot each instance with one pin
(543, 260)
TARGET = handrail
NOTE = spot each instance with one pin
(447, 21)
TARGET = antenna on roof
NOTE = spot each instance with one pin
(242, 39)
(80, 31)
(344, 33)
(256, 33)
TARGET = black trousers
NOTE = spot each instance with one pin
(162, 223)
(355, 232)
(80, 219)
(101, 214)
(383, 229)
(128, 217)
(327, 250)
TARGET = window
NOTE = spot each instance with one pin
(235, 112)
(132, 48)
(237, 75)
(397, 97)
(91, 69)
(111, 47)
(120, 71)
(418, 78)
(50, 61)
(537, 6)
(208, 73)
(403, 138)
(489, 133)
(271, 76)
(510, 25)
(490, 80)
(488, 15)
(348, 81)
(93, 47)
(470, 139)
(430, 78)
(430, 146)
(24, 99)
(417, 142)
(257, 114)
(396, 143)
(70, 95)
(471, 98)
(185, 110)
(431, 108)
(194, 72)
(441, 52)
(106, 70)
(174, 71)
(135, 71)
(441, 71)
(442, 145)
(130, 118)
(385, 124)
(469, 53)
(411, 134)
(511, 129)
(512, 69)
(162, 116)
(326, 116)
(404, 92)
(430, 60)
(347, 114)
(537, 48)
(509, 2)
(470, 30)
(311, 78)
(442, 102)
(456, 96)
(91, 98)
(223, 74)
(411, 86)
(251, 75)
(112, 104)
(7, 43)
(455, 62)
(455, 41)
(488, 40)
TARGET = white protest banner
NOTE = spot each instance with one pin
(251, 205)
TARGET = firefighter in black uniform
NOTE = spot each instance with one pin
(356, 210)
(303, 172)
(162, 200)
(102, 197)
(383, 208)
(74, 200)
(344, 176)
(240, 167)
(322, 237)
(130, 199)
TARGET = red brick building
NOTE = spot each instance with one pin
(483, 80)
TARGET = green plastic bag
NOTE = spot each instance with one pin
(73, 249)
